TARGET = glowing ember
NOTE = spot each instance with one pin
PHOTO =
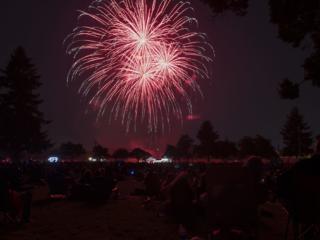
(140, 61)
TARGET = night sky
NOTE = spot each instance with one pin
(241, 99)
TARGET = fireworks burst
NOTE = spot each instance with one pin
(139, 60)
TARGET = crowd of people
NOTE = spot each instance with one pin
(219, 196)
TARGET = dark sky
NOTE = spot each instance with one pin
(241, 99)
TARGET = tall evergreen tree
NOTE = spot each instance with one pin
(22, 122)
(296, 135)
(184, 147)
(257, 146)
(207, 137)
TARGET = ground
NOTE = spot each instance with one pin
(122, 219)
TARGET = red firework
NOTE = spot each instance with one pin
(140, 61)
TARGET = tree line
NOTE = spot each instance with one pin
(208, 144)
(296, 135)
(71, 151)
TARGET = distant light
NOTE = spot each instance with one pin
(152, 160)
(92, 159)
(132, 172)
(165, 160)
(53, 159)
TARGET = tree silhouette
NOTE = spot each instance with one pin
(296, 135)
(121, 154)
(139, 154)
(225, 149)
(297, 22)
(197, 153)
(289, 90)
(71, 150)
(257, 146)
(21, 120)
(239, 7)
(207, 138)
(100, 152)
(184, 147)
(246, 146)
(263, 147)
(171, 152)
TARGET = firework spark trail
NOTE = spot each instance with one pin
(140, 61)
